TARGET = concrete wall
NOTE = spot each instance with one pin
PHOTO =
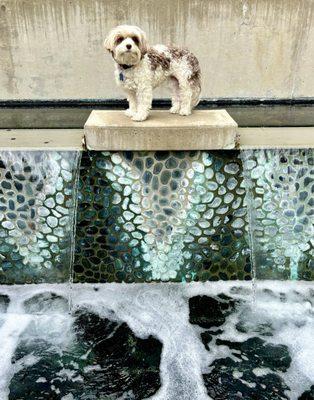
(52, 49)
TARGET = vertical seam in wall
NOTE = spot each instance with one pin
(74, 221)
(249, 200)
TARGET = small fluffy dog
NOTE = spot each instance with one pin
(141, 68)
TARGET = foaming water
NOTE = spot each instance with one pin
(160, 311)
(32, 311)
(283, 318)
(10, 333)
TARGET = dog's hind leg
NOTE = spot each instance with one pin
(175, 95)
(185, 96)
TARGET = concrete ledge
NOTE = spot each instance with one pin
(72, 139)
(203, 130)
(276, 138)
(41, 139)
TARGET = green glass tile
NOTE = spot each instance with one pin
(281, 208)
(161, 216)
(37, 201)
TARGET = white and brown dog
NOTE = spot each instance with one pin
(141, 68)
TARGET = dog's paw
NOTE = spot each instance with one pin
(185, 111)
(140, 116)
(129, 113)
(175, 109)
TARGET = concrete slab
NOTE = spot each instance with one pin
(203, 130)
(276, 138)
(41, 139)
(72, 139)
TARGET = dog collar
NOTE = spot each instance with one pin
(125, 66)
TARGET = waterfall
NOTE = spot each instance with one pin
(279, 186)
(164, 216)
(38, 194)
(154, 216)
(168, 216)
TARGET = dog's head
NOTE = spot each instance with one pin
(127, 44)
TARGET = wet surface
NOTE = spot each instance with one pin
(161, 216)
(136, 341)
(105, 360)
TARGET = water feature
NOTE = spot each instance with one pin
(155, 299)
(197, 340)
(281, 208)
(37, 209)
(168, 216)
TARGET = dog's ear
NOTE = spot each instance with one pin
(143, 42)
(110, 41)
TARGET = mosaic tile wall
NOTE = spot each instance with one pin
(37, 198)
(161, 216)
(156, 216)
(281, 209)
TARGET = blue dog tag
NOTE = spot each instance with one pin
(121, 76)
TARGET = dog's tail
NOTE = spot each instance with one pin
(196, 87)
(196, 96)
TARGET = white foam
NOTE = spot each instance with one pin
(16, 322)
(292, 322)
(161, 310)
(10, 332)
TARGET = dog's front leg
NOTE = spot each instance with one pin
(131, 96)
(144, 97)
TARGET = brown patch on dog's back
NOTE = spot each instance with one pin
(178, 53)
(157, 59)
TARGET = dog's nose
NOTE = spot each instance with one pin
(129, 46)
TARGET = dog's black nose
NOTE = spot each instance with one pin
(128, 46)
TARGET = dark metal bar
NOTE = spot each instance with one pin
(158, 103)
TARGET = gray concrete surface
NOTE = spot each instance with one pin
(203, 130)
(52, 49)
(41, 139)
(276, 138)
(72, 139)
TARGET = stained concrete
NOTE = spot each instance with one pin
(276, 138)
(52, 49)
(72, 139)
(41, 139)
(203, 130)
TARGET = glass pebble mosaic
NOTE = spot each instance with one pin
(281, 206)
(161, 216)
(156, 216)
(37, 202)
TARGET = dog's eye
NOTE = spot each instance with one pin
(119, 39)
(135, 39)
